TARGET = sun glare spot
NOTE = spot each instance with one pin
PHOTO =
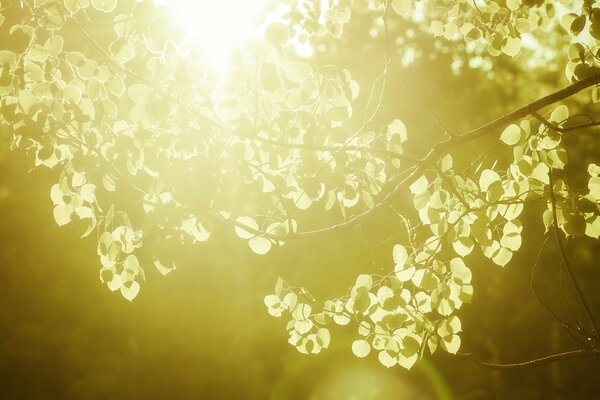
(217, 26)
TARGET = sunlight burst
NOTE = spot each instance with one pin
(218, 26)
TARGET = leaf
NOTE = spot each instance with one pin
(342, 15)
(123, 25)
(513, 5)
(419, 186)
(62, 214)
(502, 257)
(400, 255)
(54, 45)
(116, 283)
(559, 114)
(131, 290)
(511, 134)
(248, 222)
(364, 280)
(402, 7)
(277, 33)
(162, 268)
(131, 264)
(361, 348)
(437, 28)
(405, 274)
(451, 344)
(116, 85)
(593, 170)
(512, 46)
(387, 359)
(594, 187)
(592, 228)
(557, 158)
(409, 354)
(323, 337)
(463, 246)
(290, 300)
(523, 25)
(104, 6)
(397, 129)
(487, 178)
(301, 312)
(298, 71)
(260, 245)
(122, 51)
(28, 101)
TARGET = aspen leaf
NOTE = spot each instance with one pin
(559, 114)
(511, 134)
(386, 359)
(361, 348)
(402, 6)
(487, 178)
(298, 71)
(512, 46)
(130, 290)
(437, 28)
(250, 223)
(451, 344)
(513, 4)
(62, 214)
(104, 6)
(260, 245)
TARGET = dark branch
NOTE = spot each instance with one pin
(445, 145)
(530, 363)
(560, 129)
(517, 114)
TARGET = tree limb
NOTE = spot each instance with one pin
(522, 112)
(442, 147)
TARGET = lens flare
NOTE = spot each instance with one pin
(216, 26)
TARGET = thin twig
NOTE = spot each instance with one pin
(568, 267)
(560, 129)
(567, 355)
(564, 296)
(568, 326)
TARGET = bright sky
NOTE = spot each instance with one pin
(218, 25)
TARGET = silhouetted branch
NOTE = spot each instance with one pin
(442, 147)
(522, 112)
(568, 355)
(560, 129)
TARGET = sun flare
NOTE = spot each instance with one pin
(218, 26)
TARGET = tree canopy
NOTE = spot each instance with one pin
(156, 145)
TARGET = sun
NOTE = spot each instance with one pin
(216, 26)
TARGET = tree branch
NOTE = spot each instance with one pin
(442, 147)
(557, 128)
(337, 148)
(522, 112)
(468, 357)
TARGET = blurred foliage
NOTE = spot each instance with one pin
(151, 149)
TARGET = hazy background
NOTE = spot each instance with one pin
(203, 332)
